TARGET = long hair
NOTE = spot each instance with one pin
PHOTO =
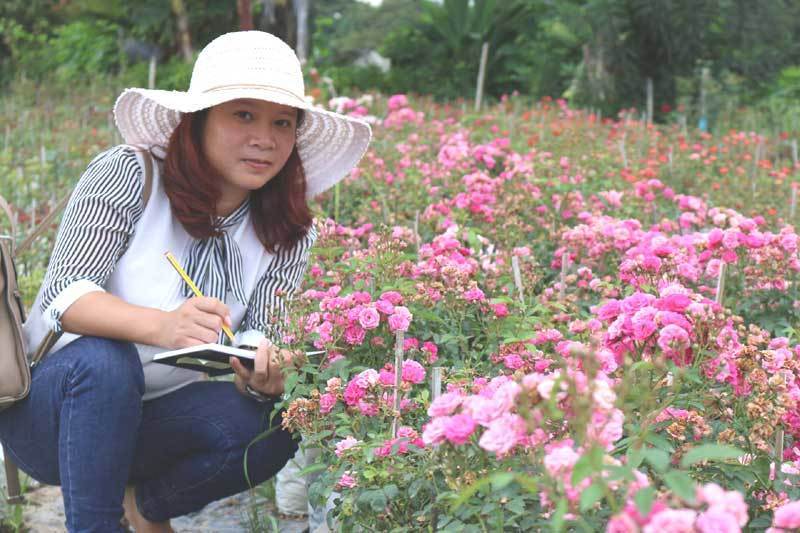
(279, 211)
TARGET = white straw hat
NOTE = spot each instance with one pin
(249, 64)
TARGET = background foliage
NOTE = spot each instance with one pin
(596, 52)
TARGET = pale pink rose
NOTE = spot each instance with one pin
(603, 396)
(445, 404)
(622, 523)
(482, 409)
(347, 481)
(513, 361)
(672, 337)
(717, 520)
(458, 428)
(413, 372)
(731, 502)
(560, 460)
(503, 434)
(326, 403)
(345, 444)
(787, 516)
(433, 431)
(400, 319)
(333, 385)
(397, 101)
(369, 318)
(672, 521)
(367, 378)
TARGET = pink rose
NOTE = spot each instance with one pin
(400, 319)
(369, 318)
(386, 377)
(717, 520)
(347, 481)
(326, 403)
(397, 101)
(458, 428)
(413, 372)
(622, 523)
(787, 516)
(367, 408)
(433, 432)
(672, 337)
(367, 378)
(385, 307)
(500, 310)
(673, 302)
(503, 434)
(393, 297)
(354, 334)
(474, 295)
(432, 350)
(672, 521)
(353, 393)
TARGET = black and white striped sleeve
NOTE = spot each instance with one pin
(99, 219)
(266, 310)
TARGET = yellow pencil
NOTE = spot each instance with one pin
(195, 290)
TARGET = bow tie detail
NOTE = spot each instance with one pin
(215, 263)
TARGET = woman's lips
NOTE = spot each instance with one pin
(258, 164)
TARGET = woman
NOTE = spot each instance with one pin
(240, 153)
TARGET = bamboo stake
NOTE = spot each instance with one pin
(563, 288)
(518, 278)
(721, 284)
(794, 153)
(436, 382)
(622, 152)
(151, 72)
(398, 379)
(649, 91)
(481, 74)
(793, 205)
(779, 438)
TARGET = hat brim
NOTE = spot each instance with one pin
(330, 145)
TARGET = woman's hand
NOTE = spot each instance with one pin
(197, 321)
(266, 376)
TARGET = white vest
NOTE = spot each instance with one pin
(144, 277)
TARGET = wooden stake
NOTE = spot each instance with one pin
(398, 379)
(649, 91)
(721, 283)
(793, 205)
(518, 278)
(481, 73)
(436, 382)
(622, 152)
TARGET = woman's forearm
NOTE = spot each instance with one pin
(102, 314)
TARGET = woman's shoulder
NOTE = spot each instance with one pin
(116, 170)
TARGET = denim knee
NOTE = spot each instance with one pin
(109, 366)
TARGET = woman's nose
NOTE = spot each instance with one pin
(264, 137)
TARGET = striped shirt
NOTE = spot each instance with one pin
(103, 219)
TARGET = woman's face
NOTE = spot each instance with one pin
(247, 142)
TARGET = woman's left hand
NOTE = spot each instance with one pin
(267, 375)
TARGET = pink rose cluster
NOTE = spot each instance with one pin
(715, 511)
(370, 391)
(786, 518)
(645, 323)
(490, 412)
(406, 436)
(445, 259)
(350, 317)
(401, 114)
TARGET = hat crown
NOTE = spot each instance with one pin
(247, 59)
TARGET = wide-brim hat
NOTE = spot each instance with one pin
(257, 65)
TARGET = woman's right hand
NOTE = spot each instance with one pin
(197, 321)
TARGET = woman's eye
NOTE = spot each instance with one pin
(284, 123)
(244, 115)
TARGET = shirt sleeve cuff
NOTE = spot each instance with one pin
(251, 337)
(67, 297)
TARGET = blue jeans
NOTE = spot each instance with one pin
(85, 427)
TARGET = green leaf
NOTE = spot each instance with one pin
(635, 456)
(681, 484)
(659, 442)
(644, 500)
(557, 523)
(591, 495)
(658, 458)
(310, 469)
(587, 465)
(501, 480)
(710, 452)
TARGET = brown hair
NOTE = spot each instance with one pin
(279, 210)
